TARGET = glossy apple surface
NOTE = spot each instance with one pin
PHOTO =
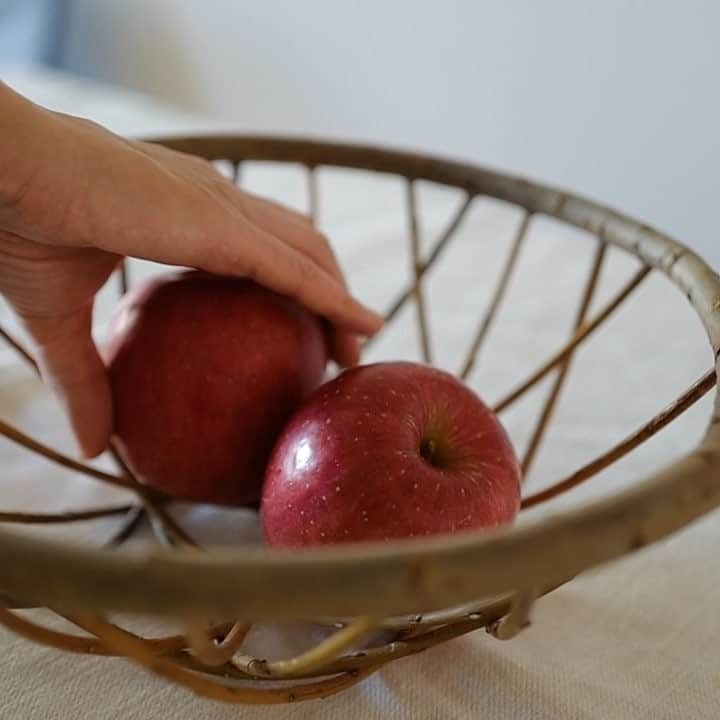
(205, 371)
(390, 450)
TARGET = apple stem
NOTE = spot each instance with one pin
(428, 449)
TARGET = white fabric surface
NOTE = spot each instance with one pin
(635, 639)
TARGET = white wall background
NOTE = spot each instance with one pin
(617, 99)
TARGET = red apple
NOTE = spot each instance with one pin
(390, 450)
(205, 371)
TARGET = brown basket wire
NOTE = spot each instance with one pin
(382, 602)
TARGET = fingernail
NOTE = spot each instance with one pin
(356, 350)
(374, 320)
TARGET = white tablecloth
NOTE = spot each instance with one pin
(635, 639)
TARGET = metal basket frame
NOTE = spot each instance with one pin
(403, 586)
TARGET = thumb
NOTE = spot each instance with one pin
(70, 364)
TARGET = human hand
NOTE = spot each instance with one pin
(75, 199)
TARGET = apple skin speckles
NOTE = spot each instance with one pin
(431, 458)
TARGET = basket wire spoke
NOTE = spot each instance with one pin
(123, 274)
(312, 194)
(166, 529)
(237, 173)
(497, 297)
(445, 238)
(418, 272)
(580, 336)
(564, 366)
(64, 517)
(697, 391)
(124, 532)
(15, 345)
(20, 438)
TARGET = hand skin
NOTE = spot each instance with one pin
(75, 199)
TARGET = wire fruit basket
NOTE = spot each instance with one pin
(378, 603)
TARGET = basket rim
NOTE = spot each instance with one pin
(416, 575)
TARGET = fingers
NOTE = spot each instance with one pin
(345, 348)
(70, 365)
(297, 231)
(232, 245)
(293, 229)
(190, 216)
(272, 263)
